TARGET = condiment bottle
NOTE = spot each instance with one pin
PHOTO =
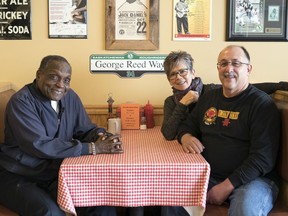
(143, 125)
(149, 114)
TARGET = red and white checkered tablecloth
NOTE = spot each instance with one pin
(151, 171)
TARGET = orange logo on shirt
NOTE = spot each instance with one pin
(210, 116)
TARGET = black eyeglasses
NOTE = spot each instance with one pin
(236, 64)
(182, 72)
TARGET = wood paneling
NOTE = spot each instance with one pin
(98, 114)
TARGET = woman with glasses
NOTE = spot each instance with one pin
(187, 88)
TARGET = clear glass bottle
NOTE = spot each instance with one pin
(143, 125)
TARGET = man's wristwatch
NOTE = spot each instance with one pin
(92, 148)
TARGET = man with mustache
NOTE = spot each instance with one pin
(237, 130)
(187, 88)
(46, 122)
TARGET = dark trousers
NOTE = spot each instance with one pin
(182, 21)
(174, 211)
(139, 211)
(34, 197)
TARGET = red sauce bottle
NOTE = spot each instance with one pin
(149, 114)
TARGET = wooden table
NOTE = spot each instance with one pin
(151, 171)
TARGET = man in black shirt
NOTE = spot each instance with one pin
(237, 130)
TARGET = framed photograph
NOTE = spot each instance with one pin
(67, 19)
(256, 20)
(192, 20)
(132, 25)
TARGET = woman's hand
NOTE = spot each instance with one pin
(190, 97)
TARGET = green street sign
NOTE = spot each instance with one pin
(128, 65)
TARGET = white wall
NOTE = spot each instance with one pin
(20, 58)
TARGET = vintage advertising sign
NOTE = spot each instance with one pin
(131, 19)
(15, 18)
(129, 65)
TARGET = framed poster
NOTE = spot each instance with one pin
(256, 20)
(67, 18)
(192, 20)
(15, 20)
(132, 25)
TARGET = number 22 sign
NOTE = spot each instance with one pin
(132, 24)
(131, 19)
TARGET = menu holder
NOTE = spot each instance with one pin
(130, 116)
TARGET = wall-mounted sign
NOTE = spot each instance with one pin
(67, 19)
(15, 19)
(131, 19)
(127, 65)
(132, 24)
(192, 20)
